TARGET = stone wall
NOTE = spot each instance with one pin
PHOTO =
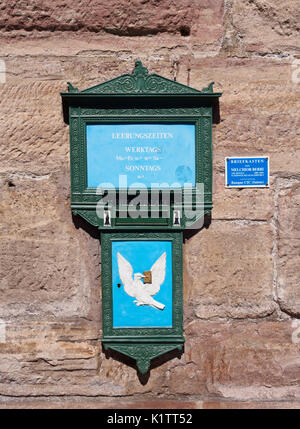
(241, 275)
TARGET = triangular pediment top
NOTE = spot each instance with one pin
(140, 82)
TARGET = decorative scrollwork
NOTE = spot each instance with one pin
(185, 111)
(140, 82)
(143, 353)
(75, 160)
(89, 215)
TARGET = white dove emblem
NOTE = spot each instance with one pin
(133, 285)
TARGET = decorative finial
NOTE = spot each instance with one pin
(209, 88)
(140, 73)
(139, 70)
(143, 365)
(71, 88)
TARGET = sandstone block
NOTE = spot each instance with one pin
(124, 18)
(238, 360)
(230, 266)
(253, 204)
(288, 260)
(273, 28)
(47, 265)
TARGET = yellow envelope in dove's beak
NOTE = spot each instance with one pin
(147, 277)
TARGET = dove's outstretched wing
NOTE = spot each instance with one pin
(158, 270)
(126, 274)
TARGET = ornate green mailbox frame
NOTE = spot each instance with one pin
(142, 343)
(140, 98)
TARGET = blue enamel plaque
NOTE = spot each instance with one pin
(150, 154)
(243, 172)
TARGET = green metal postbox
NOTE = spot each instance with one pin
(141, 172)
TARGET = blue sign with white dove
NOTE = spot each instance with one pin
(138, 302)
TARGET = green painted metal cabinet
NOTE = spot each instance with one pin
(124, 113)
